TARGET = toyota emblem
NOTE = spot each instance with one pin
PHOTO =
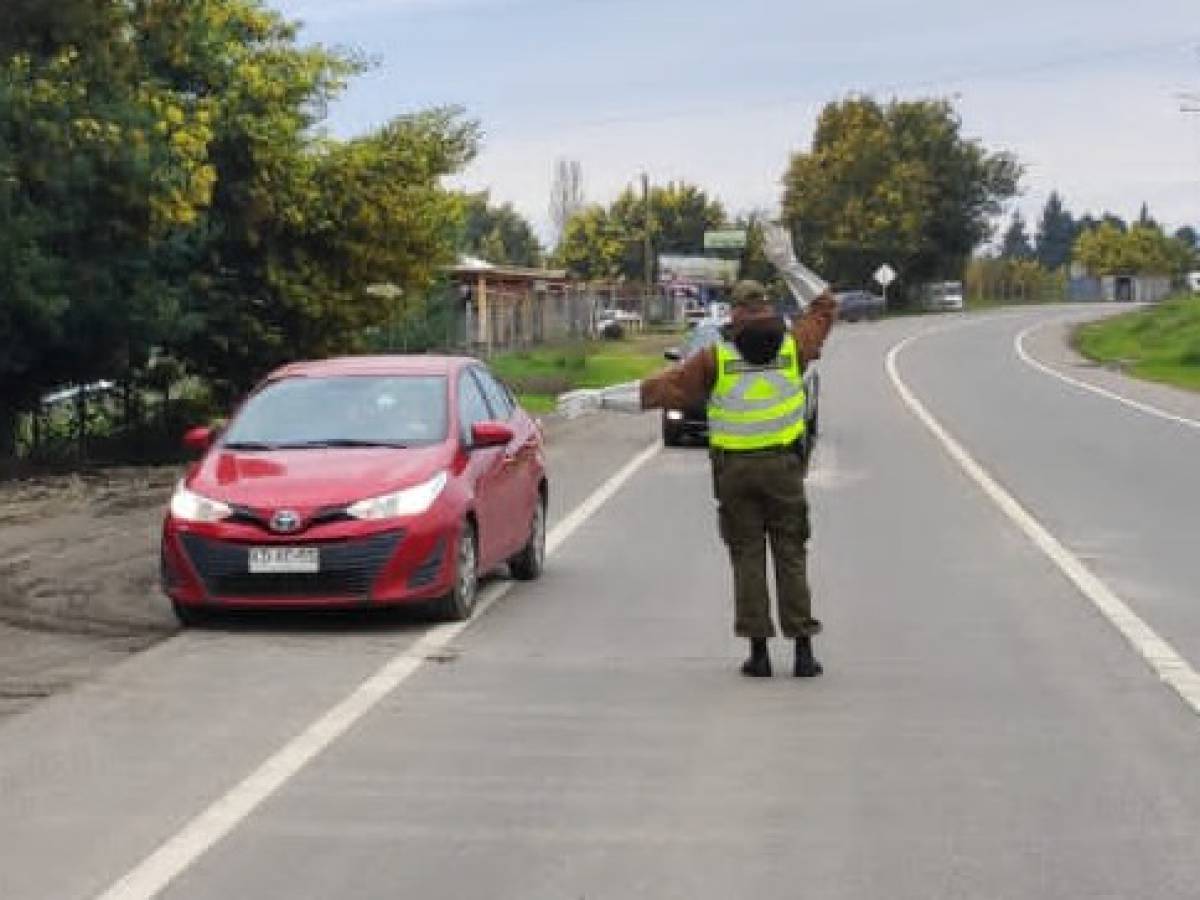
(285, 521)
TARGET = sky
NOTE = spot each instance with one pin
(723, 92)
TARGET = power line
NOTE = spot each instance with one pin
(941, 82)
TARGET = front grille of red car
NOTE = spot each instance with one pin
(348, 568)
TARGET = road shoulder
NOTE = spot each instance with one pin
(1050, 345)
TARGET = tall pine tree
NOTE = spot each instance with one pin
(1016, 244)
(1056, 233)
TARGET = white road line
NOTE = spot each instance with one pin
(172, 858)
(1019, 344)
(1161, 656)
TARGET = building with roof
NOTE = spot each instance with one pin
(513, 306)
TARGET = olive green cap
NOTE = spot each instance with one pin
(749, 293)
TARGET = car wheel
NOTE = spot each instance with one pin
(671, 435)
(191, 616)
(459, 604)
(528, 564)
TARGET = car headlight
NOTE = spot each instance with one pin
(191, 507)
(409, 502)
(675, 415)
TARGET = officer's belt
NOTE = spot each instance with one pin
(761, 451)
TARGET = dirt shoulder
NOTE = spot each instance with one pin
(78, 577)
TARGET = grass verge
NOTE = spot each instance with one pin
(539, 375)
(1161, 343)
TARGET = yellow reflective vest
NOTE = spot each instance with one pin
(756, 407)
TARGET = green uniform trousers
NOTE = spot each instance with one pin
(760, 496)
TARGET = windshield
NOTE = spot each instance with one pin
(343, 411)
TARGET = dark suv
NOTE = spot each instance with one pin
(679, 425)
(854, 306)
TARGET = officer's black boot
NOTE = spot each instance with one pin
(758, 665)
(806, 664)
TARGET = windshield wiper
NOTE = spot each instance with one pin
(248, 445)
(337, 443)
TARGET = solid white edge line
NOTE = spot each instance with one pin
(153, 874)
(1158, 653)
(1028, 359)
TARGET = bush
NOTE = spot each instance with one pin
(155, 438)
(613, 331)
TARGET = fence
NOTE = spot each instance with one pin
(518, 320)
(103, 425)
(119, 423)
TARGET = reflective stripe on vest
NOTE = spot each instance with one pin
(755, 407)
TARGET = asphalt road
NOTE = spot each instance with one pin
(981, 732)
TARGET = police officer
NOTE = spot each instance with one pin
(753, 384)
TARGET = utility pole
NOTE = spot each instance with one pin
(647, 252)
(1189, 103)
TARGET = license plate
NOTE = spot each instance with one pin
(285, 560)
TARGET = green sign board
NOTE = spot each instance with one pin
(725, 240)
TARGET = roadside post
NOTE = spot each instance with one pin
(884, 276)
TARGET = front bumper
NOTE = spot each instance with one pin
(691, 423)
(208, 566)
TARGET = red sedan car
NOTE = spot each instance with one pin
(359, 482)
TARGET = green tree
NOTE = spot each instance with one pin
(1115, 221)
(898, 184)
(498, 234)
(680, 213)
(1142, 250)
(1087, 222)
(1188, 236)
(45, 29)
(300, 225)
(164, 184)
(102, 167)
(592, 247)
(1016, 244)
(1056, 233)
(754, 262)
(1145, 220)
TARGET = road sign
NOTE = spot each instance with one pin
(699, 269)
(885, 275)
(730, 239)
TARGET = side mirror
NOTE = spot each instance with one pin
(199, 439)
(490, 434)
(673, 354)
